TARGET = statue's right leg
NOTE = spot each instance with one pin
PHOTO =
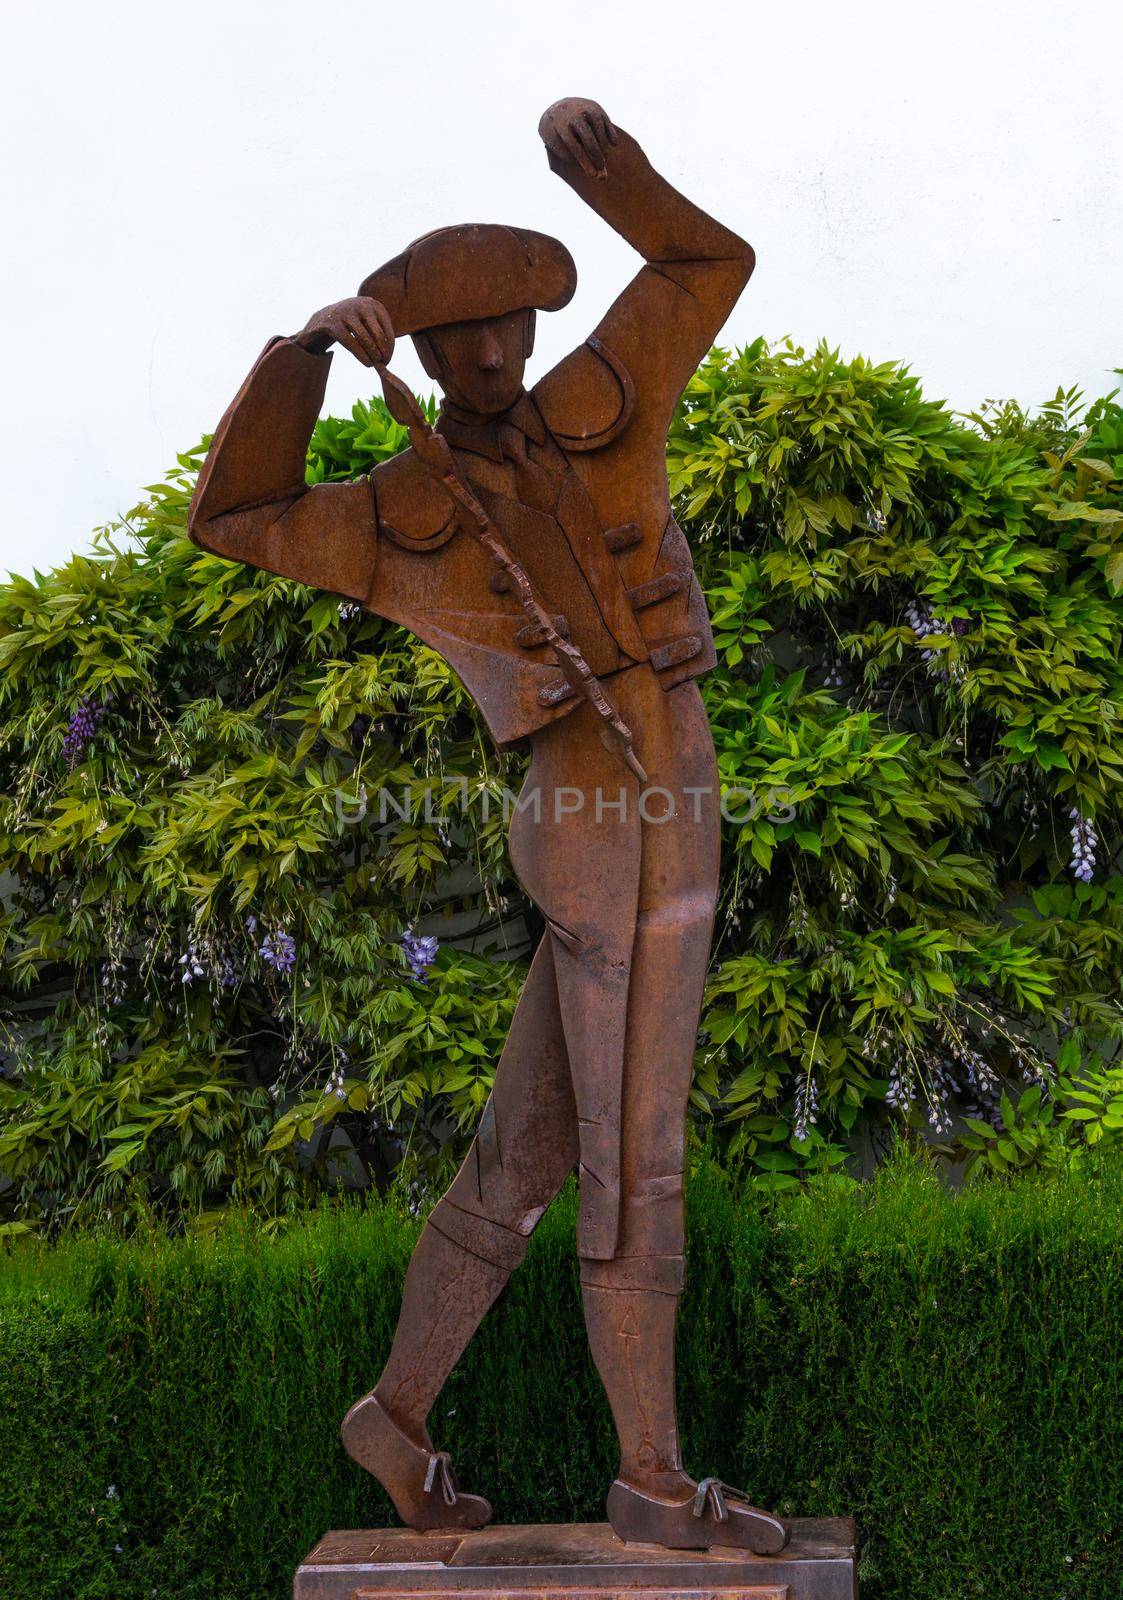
(475, 1237)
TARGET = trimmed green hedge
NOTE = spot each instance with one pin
(945, 1367)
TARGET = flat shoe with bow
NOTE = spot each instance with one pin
(420, 1482)
(712, 1514)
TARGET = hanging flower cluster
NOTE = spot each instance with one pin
(83, 724)
(192, 966)
(806, 1105)
(278, 950)
(1084, 842)
(926, 625)
(420, 953)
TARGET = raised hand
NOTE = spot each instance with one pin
(360, 324)
(580, 131)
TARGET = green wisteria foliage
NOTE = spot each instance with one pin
(229, 975)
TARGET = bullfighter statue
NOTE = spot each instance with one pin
(529, 539)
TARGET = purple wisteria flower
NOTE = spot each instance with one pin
(420, 952)
(338, 1077)
(1084, 842)
(901, 1090)
(278, 949)
(926, 625)
(191, 964)
(806, 1105)
(918, 615)
(940, 1086)
(81, 728)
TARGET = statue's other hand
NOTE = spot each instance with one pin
(580, 131)
(361, 325)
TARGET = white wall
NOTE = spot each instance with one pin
(940, 183)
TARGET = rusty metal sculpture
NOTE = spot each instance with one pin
(529, 539)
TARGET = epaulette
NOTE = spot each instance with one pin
(413, 510)
(588, 398)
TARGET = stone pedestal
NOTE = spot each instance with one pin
(574, 1561)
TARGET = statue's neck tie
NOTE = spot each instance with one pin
(537, 487)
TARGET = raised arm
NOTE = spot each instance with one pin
(251, 502)
(669, 315)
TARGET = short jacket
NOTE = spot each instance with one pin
(609, 559)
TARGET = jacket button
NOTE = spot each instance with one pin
(554, 693)
(654, 590)
(535, 634)
(623, 537)
(676, 652)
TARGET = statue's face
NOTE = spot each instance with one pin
(479, 365)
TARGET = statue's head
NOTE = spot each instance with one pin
(479, 364)
(468, 295)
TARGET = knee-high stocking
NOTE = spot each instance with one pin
(449, 1288)
(632, 1339)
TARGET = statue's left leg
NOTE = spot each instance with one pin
(631, 1301)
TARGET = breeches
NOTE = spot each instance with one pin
(597, 1067)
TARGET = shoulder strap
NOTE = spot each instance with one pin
(413, 511)
(588, 398)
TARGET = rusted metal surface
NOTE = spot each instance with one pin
(579, 1561)
(529, 539)
(541, 628)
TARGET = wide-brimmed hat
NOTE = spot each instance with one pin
(470, 271)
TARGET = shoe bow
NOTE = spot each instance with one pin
(440, 1468)
(711, 1492)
